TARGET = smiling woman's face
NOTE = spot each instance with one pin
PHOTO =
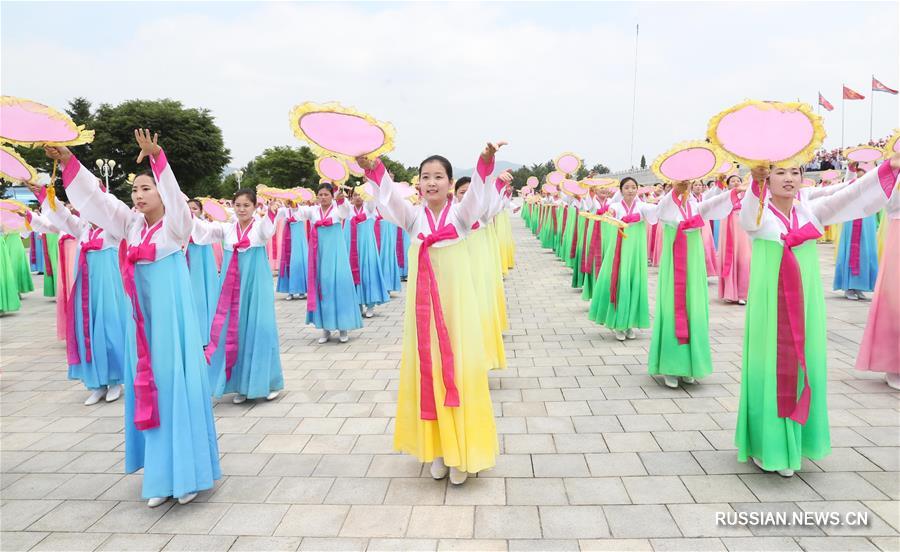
(785, 181)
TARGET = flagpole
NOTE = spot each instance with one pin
(637, 29)
(871, 109)
(843, 113)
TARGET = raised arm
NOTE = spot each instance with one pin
(718, 206)
(40, 223)
(864, 197)
(61, 217)
(205, 232)
(391, 204)
(178, 221)
(476, 201)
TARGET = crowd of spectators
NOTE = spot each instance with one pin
(832, 159)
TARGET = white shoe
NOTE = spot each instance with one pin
(689, 379)
(95, 396)
(861, 296)
(438, 469)
(782, 473)
(157, 501)
(851, 294)
(343, 337)
(187, 498)
(325, 336)
(113, 393)
(786, 473)
(630, 333)
(458, 477)
(370, 312)
(290, 297)
(238, 399)
(620, 335)
(893, 380)
(671, 381)
(273, 395)
(301, 296)
(742, 302)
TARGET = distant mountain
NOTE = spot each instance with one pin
(499, 167)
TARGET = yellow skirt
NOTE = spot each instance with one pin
(464, 436)
(496, 265)
(483, 285)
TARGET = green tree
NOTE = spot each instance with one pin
(401, 173)
(193, 143)
(643, 162)
(281, 167)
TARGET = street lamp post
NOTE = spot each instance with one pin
(238, 174)
(106, 167)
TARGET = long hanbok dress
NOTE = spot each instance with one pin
(389, 248)
(99, 324)
(292, 269)
(857, 255)
(170, 431)
(332, 302)
(243, 350)
(204, 281)
(68, 253)
(709, 244)
(365, 264)
(9, 281)
(680, 342)
(620, 300)
(18, 258)
(783, 411)
(444, 406)
(734, 253)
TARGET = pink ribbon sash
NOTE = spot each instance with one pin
(93, 243)
(855, 238)
(354, 245)
(284, 268)
(312, 298)
(146, 408)
(378, 219)
(229, 305)
(33, 248)
(401, 254)
(428, 299)
(64, 277)
(572, 250)
(48, 264)
(791, 344)
(680, 268)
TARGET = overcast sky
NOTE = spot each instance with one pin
(547, 77)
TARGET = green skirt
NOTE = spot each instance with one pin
(781, 443)
(18, 260)
(52, 241)
(9, 282)
(667, 356)
(578, 236)
(631, 309)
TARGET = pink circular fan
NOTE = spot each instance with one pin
(27, 122)
(725, 167)
(567, 163)
(214, 209)
(305, 194)
(572, 187)
(549, 188)
(13, 168)
(532, 182)
(555, 178)
(332, 169)
(354, 168)
(807, 183)
(332, 129)
(864, 154)
(830, 175)
(687, 161)
(11, 221)
(406, 190)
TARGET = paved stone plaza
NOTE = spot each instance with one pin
(595, 454)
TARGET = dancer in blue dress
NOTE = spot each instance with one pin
(292, 264)
(204, 274)
(365, 265)
(387, 254)
(170, 431)
(243, 350)
(856, 269)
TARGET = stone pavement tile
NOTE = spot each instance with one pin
(414, 491)
(699, 520)
(835, 544)
(578, 522)
(631, 442)
(472, 545)
(57, 441)
(342, 545)
(721, 439)
(887, 458)
(769, 524)
(596, 490)
(846, 459)
(616, 545)
(640, 521)
(887, 544)
(687, 545)
(716, 462)
(136, 542)
(679, 441)
(450, 522)
(320, 426)
(510, 465)
(615, 464)
(72, 515)
(580, 443)
(606, 423)
(655, 406)
(261, 544)
(509, 522)
(670, 463)
(238, 442)
(15, 541)
(374, 444)
(886, 482)
(312, 521)
(244, 489)
(330, 444)
(394, 465)
(541, 545)
(192, 543)
(384, 545)
(478, 491)
(848, 526)
(376, 521)
(284, 444)
(336, 465)
(535, 492)
(611, 408)
(574, 408)
(633, 423)
(239, 463)
(528, 444)
(72, 542)
(771, 487)
(130, 517)
(761, 544)
(300, 490)
(250, 519)
(889, 511)
(269, 426)
(34, 486)
(656, 490)
(717, 488)
(842, 486)
(192, 518)
(559, 465)
(46, 462)
(511, 425)
(881, 436)
(364, 426)
(351, 490)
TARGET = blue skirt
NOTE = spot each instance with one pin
(294, 281)
(388, 255)
(110, 323)
(37, 242)
(372, 288)
(338, 305)
(715, 232)
(180, 456)
(868, 258)
(257, 371)
(404, 270)
(205, 284)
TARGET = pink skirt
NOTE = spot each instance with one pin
(217, 253)
(67, 252)
(733, 285)
(880, 347)
(709, 247)
(656, 245)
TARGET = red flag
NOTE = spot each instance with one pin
(852, 94)
(878, 86)
(825, 103)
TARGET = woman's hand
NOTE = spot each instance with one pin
(58, 153)
(366, 163)
(148, 144)
(895, 161)
(760, 173)
(491, 149)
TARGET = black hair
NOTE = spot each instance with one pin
(326, 186)
(249, 192)
(145, 173)
(197, 201)
(440, 159)
(461, 182)
(627, 179)
(727, 180)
